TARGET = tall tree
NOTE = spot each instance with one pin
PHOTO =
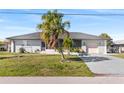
(52, 27)
(106, 36)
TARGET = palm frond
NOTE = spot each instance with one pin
(53, 26)
(39, 26)
(66, 24)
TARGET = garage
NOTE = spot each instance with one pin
(92, 50)
(92, 47)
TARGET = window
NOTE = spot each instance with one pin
(77, 43)
(25, 42)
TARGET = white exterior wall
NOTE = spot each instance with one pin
(121, 49)
(103, 47)
(12, 46)
(28, 45)
(31, 49)
(90, 46)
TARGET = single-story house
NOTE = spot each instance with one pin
(118, 46)
(32, 42)
(3, 45)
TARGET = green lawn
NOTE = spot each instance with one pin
(43, 65)
(119, 55)
(6, 54)
(9, 55)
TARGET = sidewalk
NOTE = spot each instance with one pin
(61, 80)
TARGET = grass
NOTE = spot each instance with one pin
(9, 55)
(43, 65)
(119, 55)
(6, 54)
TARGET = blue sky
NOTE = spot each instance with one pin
(17, 24)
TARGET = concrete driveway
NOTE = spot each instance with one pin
(110, 65)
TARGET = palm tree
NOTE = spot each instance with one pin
(67, 43)
(52, 27)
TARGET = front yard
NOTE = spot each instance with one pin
(119, 55)
(42, 65)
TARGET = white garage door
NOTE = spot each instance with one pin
(93, 50)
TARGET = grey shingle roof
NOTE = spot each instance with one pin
(74, 35)
(80, 35)
(35, 35)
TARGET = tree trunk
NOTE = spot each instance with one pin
(62, 56)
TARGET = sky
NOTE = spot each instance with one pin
(16, 23)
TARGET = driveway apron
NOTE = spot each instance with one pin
(108, 65)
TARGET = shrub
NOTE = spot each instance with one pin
(21, 50)
(60, 49)
(78, 50)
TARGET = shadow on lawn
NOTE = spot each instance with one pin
(94, 59)
(74, 59)
(9, 57)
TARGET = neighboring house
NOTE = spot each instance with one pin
(3, 45)
(91, 44)
(118, 46)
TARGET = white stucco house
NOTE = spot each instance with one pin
(117, 46)
(32, 42)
